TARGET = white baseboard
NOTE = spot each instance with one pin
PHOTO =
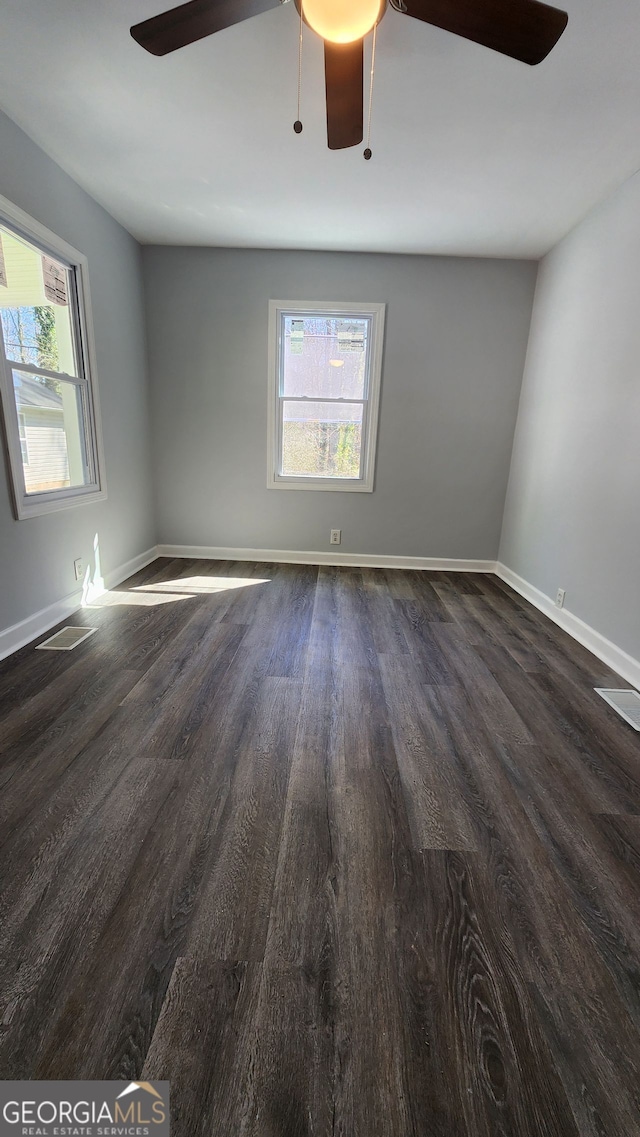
(355, 560)
(123, 572)
(614, 657)
(22, 633)
(317, 557)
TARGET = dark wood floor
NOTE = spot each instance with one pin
(338, 852)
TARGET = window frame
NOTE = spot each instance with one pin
(375, 312)
(26, 504)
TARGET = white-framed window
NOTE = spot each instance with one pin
(325, 365)
(48, 386)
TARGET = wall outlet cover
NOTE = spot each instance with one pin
(336, 536)
(560, 595)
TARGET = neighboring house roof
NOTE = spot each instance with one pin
(31, 393)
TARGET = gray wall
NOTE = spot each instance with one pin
(572, 516)
(36, 555)
(455, 345)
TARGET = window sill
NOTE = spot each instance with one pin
(36, 507)
(348, 485)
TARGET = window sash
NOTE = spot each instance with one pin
(23, 227)
(297, 314)
(62, 376)
(88, 456)
(282, 399)
(318, 399)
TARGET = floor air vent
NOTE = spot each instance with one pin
(626, 703)
(66, 639)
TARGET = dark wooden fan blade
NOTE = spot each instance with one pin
(343, 72)
(523, 29)
(195, 20)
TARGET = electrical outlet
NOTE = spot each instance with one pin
(78, 568)
(336, 536)
(560, 595)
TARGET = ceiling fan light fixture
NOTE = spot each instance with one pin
(341, 21)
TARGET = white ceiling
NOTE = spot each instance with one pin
(473, 153)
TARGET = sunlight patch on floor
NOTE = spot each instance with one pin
(148, 600)
(196, 585)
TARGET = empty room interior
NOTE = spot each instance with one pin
(320, 568)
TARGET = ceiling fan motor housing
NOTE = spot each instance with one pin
(300, 8)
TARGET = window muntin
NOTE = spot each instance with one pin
(325, 388)
(48, 400)
(24, 446)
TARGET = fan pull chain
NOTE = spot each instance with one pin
(297, 126)
(367, 152)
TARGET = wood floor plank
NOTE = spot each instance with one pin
(533, 901)
(401, 584)
(598, 1067)
(234, 904)
(560, 651)
(591, 773)
(301, 933)
(436, 808)
(371, 839)
(254, 603)
(208, 848)
(491, 628)
(599, 893)
(507, 1082)
(355, 643)
(383, 616)
(622, 835)
(202, 1045)
(291, 640)
(291, 1072)
(178, 702)
(471, 672)
(35, 770)
(573, 991)
(52, 928)
(422, 635)
(72, 690)
(103, 1009)
(455, 605)
(598, 732)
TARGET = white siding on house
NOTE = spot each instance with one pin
(48, 464)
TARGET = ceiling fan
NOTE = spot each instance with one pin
(523, 29)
